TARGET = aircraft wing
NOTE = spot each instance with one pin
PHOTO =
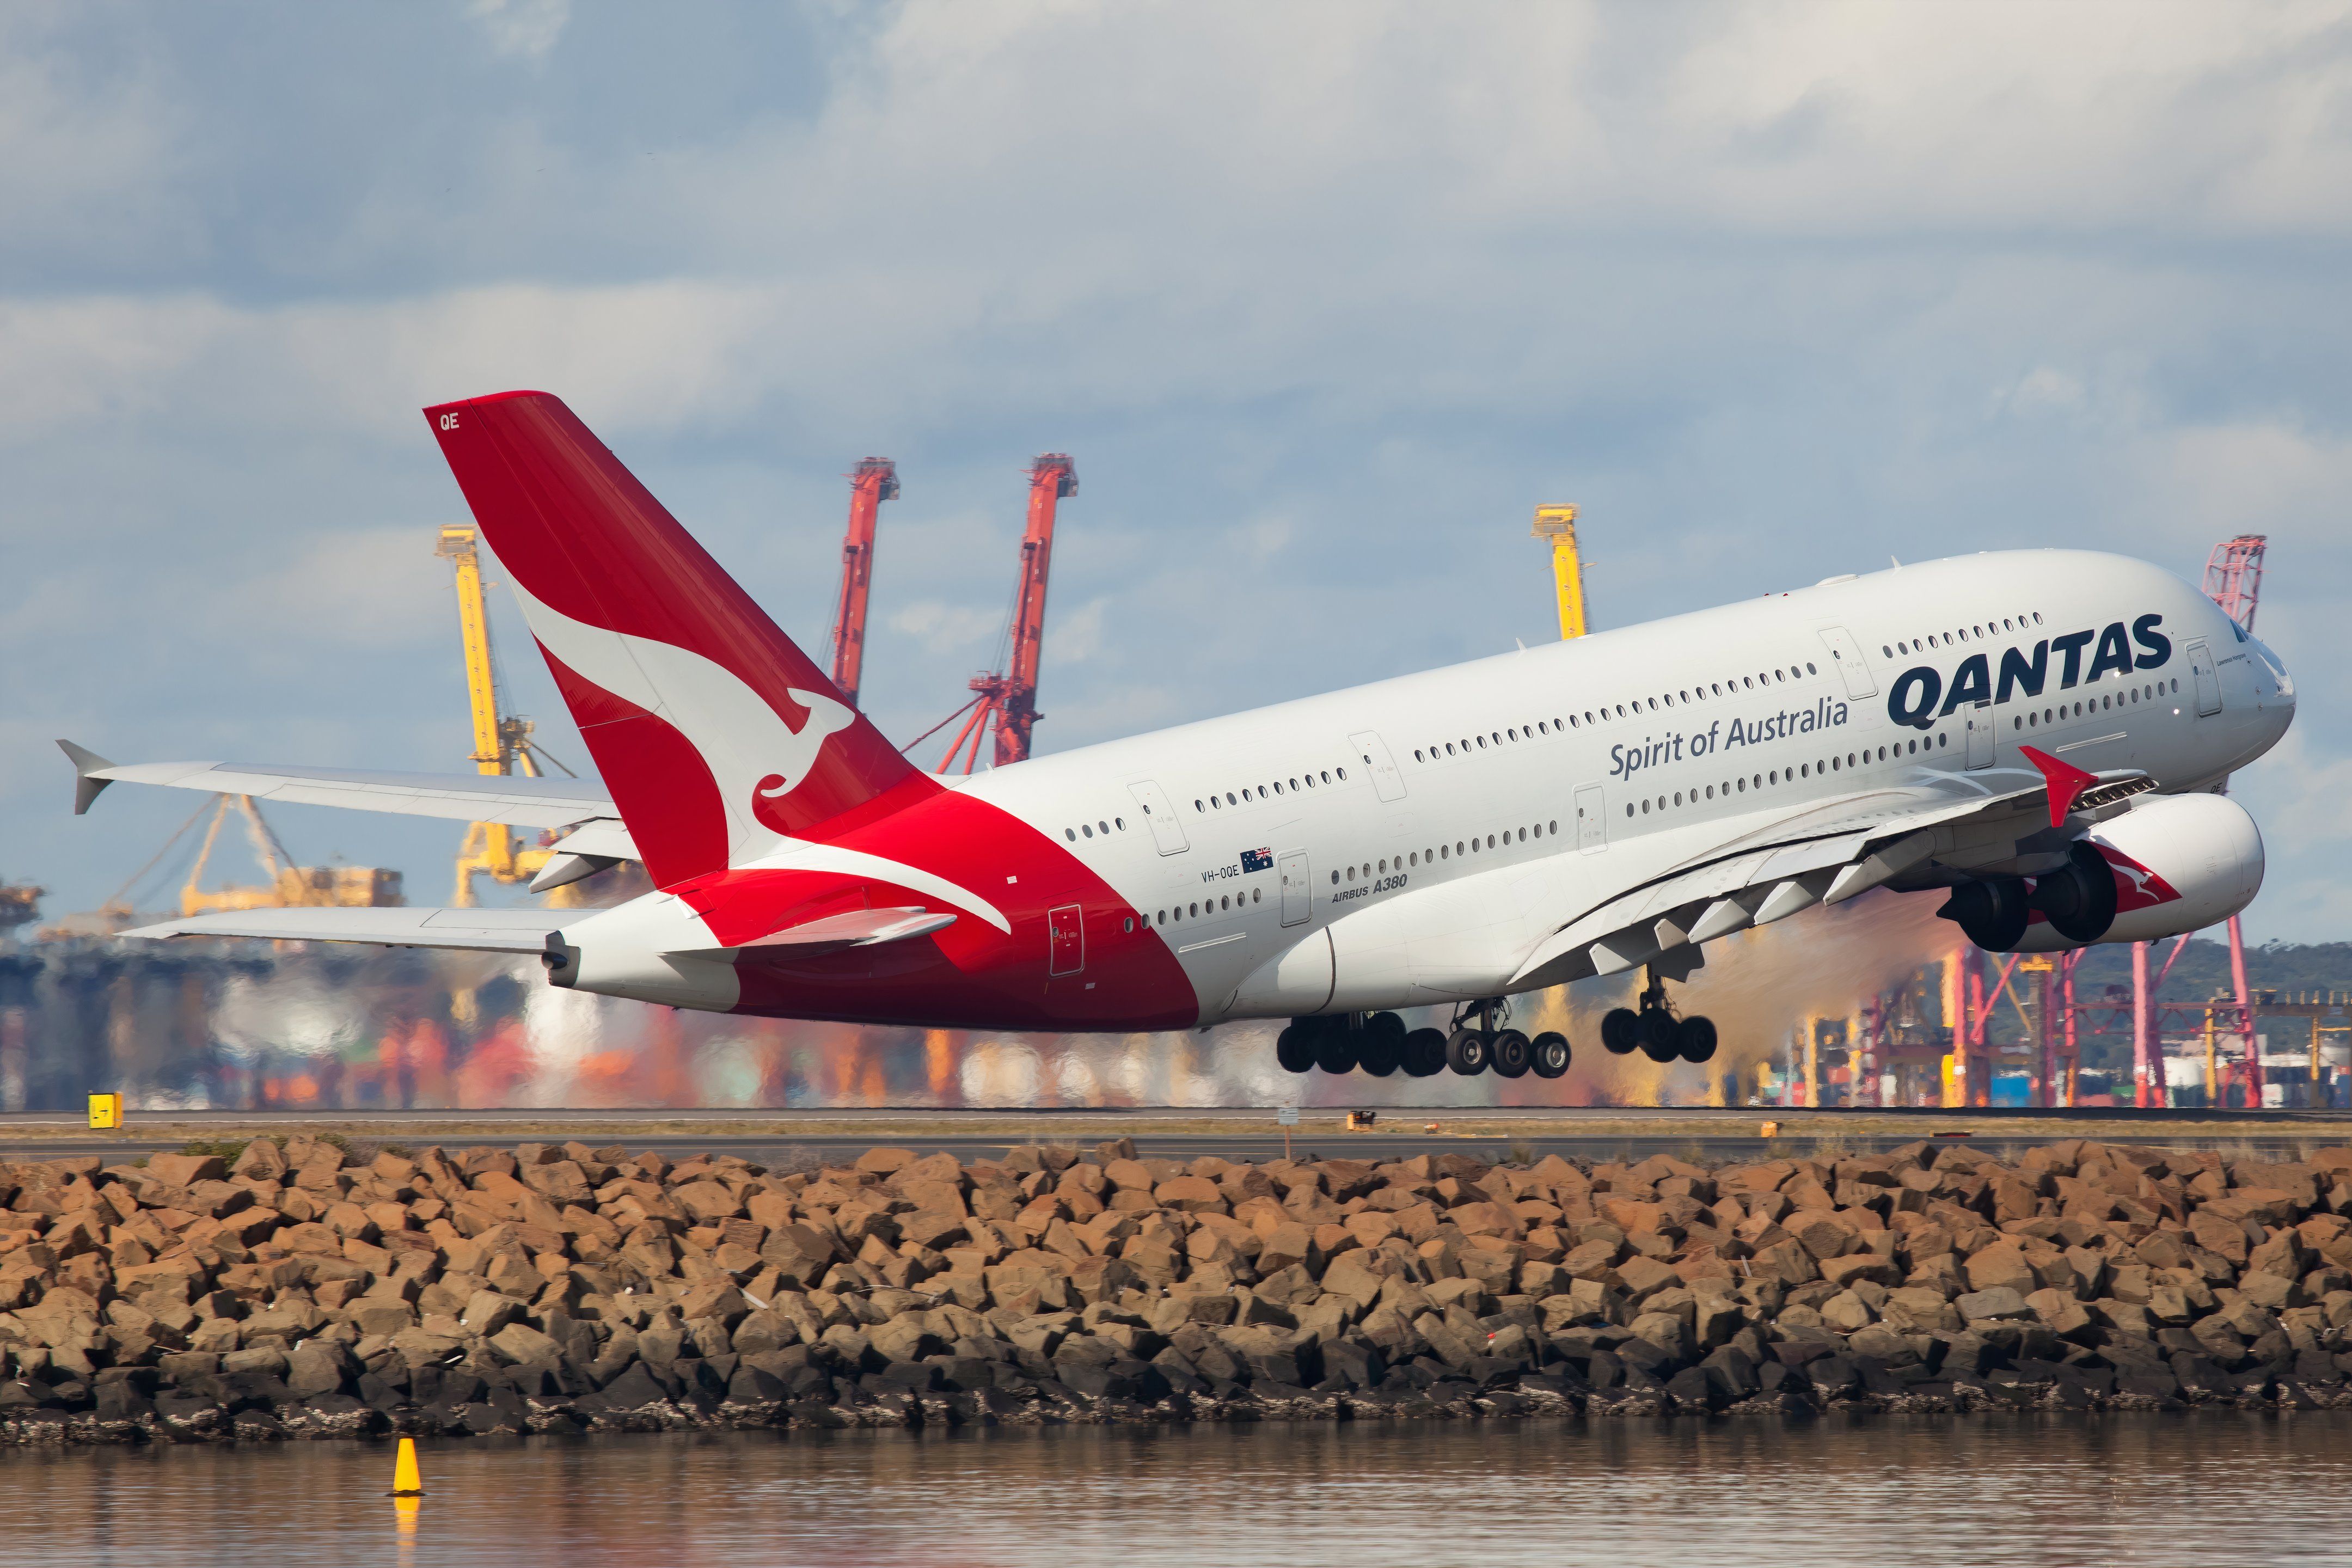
(464, 797)
(1829, 852)
(482, 931)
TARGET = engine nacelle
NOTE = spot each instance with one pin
(2181, 862)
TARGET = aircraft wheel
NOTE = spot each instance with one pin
(1993, 913)
(1662, 1038)
(1335, 1053)
(1697, 1039)
(1512, 1054)
(1549, 1053)
(1378, 1054)
(1424, 1052)
(1467, 1052)
(1621, 1031)
(1295, 1048)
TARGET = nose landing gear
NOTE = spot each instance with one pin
(1656, 1031)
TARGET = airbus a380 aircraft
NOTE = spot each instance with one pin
(2033, 738)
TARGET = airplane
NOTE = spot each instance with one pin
(2037, 738)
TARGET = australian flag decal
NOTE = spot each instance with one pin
(1257, 860)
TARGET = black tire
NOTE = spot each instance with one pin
(1293, 1048)
(1467, 1052)
(2079, 901)
(1424, 1052)
(1662, 1037)
(1386, 1027)
(1335, 1053)
(1378, 1053)
(1549, 1053)
(1512, 1054)
(1697, 1039)
(1993, 913)
(1621, 1031)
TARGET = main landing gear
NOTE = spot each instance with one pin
(1655, 1031)
(1379, 1043)
(1474, 1048)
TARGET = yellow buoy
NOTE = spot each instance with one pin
(406, 1481)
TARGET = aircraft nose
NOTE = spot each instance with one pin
(2282, 699)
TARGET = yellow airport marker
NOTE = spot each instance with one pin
(105, 1110)
(406, 1481)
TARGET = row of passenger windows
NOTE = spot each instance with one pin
(1460, 846)
(1699, 693)
(1218, 905)
(1783, 775)
(1104, 828)
(1266, 792)
(2096, 704)
(1947, 639)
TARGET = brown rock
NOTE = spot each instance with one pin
(1486, 1219)
(1824, 1235)
(2001, 1264)
(262, 1160)
(186, 1170)
(1193, 1194)
(1844, 1270)
(883, 1161)
(2223, 1237)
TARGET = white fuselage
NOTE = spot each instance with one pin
(1426, 826)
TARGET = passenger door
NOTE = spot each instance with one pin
(1298, 894)
(1161, 814)
(1592, 819)
(1846, 654)
(1981, 726)
(2208, 679)
(1387, 782)
(1066, 936)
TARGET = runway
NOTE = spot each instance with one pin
(838, 1136)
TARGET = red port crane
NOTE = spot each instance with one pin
(875, 481)
(1010, 698)
(2234, 580)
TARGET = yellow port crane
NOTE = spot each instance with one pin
(1557, 523)
(502, 743)
(290, 886)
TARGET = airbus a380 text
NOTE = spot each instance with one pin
(2034, 739)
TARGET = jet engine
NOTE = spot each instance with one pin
(2181, 863)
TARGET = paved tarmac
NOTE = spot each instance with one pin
(838, 1136)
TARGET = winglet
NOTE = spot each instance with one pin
(87, 763)
(2067, 783)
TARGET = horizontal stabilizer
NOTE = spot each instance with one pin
(462, 797)
(481, 930)
(857, 928)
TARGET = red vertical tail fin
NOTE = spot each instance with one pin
(715, 734)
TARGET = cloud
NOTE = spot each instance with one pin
(527, 29)
(1324, 298)
(946, 629)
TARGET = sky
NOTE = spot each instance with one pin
(1324, 300)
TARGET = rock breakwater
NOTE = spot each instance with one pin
(299, 1291)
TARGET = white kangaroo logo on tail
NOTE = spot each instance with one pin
(756, 758)
(825, 717)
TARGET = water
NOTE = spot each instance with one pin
(2207, 1487)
